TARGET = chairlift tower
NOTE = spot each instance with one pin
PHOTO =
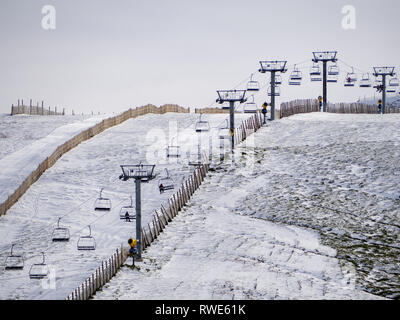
(141, 173)
(273, 67)
(325, 57)
(384, 72)
(231, 96)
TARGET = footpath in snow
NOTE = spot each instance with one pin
(309, 210)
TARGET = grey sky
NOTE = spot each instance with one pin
(110, 55)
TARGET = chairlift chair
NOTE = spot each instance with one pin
(166, 183)
(365, 81)
(333, 70)
(394, 82)
(295, 77)
(102, 204)
(278, 79)
(332, 79)
(253, 85)
(128, 213)
(39, 270)
(277, 91)
(60, 234)
(173, 151)
(250, 107)
(315, 70)
(224, 132)
(202, 125)
(14, 261)
(86, 242)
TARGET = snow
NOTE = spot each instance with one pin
(254, 230)
(19, 131)
(69, 190)
(18, 165)
(257, 231)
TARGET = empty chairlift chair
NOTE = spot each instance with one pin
(333, 74)
(393, 84)
(173, 151)
(278, 79)
(14, 261)
(102, 204)
(315, 73)
(128, 213)
(39, 270)
(86, 242)
(277, 91)
(250, 107)
(295, 77)
(365, 81)
(224, 132)
(202, 125)
(253, 85)
(60, 234)
(166, 183)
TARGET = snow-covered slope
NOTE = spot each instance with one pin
(19, 131)
(309, 211)
(69, 189)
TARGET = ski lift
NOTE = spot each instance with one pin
(295, 77)
(128, 213)
(365, 81)
(315, 73)
(224, 132)
(103, 204)
(39, 270)
(250, 107)
(253, 85)
(394, 82)
(166, 183)
(60, 234)
(14, 261)
(86, 242)
(315, 70)
(277, 91)
(352, 76)
(202, 125)
(332, 79)
(173, 151)
(348, 82)
(278, 79)
(333, 70)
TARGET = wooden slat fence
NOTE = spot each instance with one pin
(312, 105)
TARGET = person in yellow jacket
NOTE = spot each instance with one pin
(132, 242)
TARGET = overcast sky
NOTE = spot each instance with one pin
(110, 55)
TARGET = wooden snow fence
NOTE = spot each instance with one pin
(248, 126)
(213, 111)
(309, 105)
(35, 110)
(100, 277)
(83, 136)
(149, 233)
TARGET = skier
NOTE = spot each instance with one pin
(161, 187)
(127, 217)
